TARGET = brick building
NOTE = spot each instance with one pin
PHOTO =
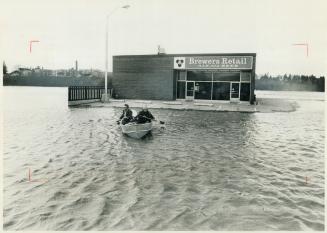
(225, 77)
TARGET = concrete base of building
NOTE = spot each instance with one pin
(105, 98)
(264, 105)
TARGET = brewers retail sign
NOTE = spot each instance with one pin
(214, 62)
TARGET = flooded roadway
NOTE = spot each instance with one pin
(205, 171)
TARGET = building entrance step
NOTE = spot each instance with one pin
(173, 103)
(203, 104)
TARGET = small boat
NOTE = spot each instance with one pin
(135, 130)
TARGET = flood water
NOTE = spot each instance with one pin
(205, 171)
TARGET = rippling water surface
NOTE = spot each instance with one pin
(205, 171)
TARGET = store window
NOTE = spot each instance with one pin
(203, 90)
(245, 77)
(245, 92)
(199, 76)
(226, 76)
(221, 91)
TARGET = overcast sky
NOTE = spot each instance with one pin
(75, 30)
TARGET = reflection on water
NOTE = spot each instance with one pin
(205, 171)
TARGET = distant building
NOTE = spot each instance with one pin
(71, 73)
(25, 71)
(37, 70)
(47, 72)
(86, 73)
(14, 73)
(61, 73)
(91, 73)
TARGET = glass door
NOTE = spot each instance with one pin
(190, 90)
(235, 91)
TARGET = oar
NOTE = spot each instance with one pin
(161, 122)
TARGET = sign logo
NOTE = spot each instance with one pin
(179, 62)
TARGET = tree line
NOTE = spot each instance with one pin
(289, 82)
(286, 82)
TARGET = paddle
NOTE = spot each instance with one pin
(162, 125)
(161, 122)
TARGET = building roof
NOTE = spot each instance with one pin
(190, 54)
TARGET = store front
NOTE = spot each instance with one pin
(221, 77)
(206, 82)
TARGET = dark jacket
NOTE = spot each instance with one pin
(144, 116)
(127, 113)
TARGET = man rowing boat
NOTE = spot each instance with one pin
(144, 116)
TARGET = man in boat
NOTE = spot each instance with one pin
(144, 116)
(127, 115)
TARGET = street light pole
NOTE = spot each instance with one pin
(106, 65)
